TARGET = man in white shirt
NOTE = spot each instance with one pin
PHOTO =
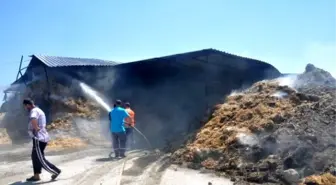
(38, 132)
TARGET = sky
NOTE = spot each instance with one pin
(285, 33)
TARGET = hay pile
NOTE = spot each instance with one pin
(4, 137)
(66, 143)
(65, 112)
(242, 115)
(63, 128)
(324, 179)
(260, 133)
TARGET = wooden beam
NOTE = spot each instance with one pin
(19, 72)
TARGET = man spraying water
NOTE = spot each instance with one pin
(94, 95)
(116, 117)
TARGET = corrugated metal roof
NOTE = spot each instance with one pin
(52, 61)
(193, 54)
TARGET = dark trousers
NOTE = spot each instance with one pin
(119, 143)
(130, 137)
(39, 160)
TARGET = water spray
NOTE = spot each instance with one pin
(94, 95)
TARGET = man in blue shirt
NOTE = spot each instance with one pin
(117, 116)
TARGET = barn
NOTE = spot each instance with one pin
(171, 94)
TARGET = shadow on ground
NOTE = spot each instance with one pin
(143, 162)
(21, 183)
(35, 183)
(30, 183)
(149, 167)
(111, 157)
(107, 159)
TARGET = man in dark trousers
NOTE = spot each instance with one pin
(38, 132)
(117, 116)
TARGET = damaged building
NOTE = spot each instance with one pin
(48, 79)
(47, 70)
(169, 94)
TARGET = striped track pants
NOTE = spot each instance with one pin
(39, 160)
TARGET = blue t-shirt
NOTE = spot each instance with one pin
(117, 116)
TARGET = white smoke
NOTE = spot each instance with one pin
(280, 94)
(288, 80)
(247, 139)
(95, 131)
(57, 98)
(235, 93)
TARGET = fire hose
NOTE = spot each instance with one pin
(125, 160)
(143, 135)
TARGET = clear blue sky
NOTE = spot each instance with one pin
(285, 33)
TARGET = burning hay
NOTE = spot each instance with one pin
(269, 133)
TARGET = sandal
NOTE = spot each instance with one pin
(32, 179)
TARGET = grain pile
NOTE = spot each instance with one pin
(270, 133)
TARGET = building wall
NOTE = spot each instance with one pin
(171, 97)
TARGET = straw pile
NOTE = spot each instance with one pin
(270, 132)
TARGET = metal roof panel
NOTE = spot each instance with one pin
(53, 61)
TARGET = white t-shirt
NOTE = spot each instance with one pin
(42, 134)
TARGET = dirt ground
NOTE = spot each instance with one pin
(94, 166)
